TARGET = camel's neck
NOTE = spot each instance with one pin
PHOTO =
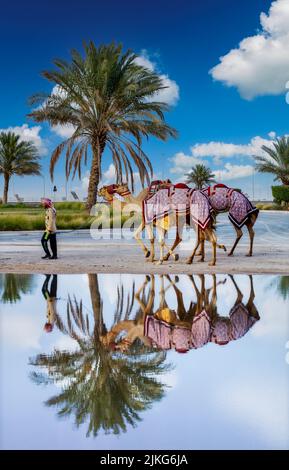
(130, 198)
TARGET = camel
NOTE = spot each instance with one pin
(224, 199)
(108, 192)
(184, 328)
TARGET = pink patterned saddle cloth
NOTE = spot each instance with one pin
(179, 200)
(223, 199)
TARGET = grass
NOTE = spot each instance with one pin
(273, 206)
(70, 216)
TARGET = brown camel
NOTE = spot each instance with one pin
(108, 192)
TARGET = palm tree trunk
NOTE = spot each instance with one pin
(96, 303)
(6, 187)
(98, 145)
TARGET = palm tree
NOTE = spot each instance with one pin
(106, 97)
(13, 285)
(200, 176)
(16, 158)
(276, 161)
(103, 388)
(282, 285)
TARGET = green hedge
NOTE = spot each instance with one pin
(280, 193)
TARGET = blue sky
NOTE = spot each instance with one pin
(222, 116)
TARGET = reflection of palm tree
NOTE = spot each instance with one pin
(13, 285)
(282, 284)
(102, 387)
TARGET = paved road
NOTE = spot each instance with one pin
(271, 227)
(79, 253)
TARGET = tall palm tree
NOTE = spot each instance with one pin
(100, 387)
(13, 285)
(108, 100)
(16, 158)
(200, 176)
(276, 161)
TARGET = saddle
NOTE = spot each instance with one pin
(164, 184)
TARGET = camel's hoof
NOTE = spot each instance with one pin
(212, 263)
(189, 261)
(177, 257)
(159, 262)
(201, 260)
(230, 254)
(148, 253)
(166, 258)
(249, 254)
(224, 248)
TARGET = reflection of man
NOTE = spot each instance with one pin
(50, 294)
(50, 229)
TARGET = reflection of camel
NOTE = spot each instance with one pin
(162, 225)
(183, 329)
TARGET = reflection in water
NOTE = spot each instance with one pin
(184, 329)
(112, 375)
(282, 283)
(99, 385)
(12, 286)
(50, 295)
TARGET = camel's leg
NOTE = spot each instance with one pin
(150, 233)
(162, 244)
(251, 231)
(180, 222)
(211, 236)
(222, 247)
(198, 241)
(171, 250)
(239, 293)
(250, 304)
(181, 311)
(202, 251)
(175, 256)
(239, 236)
(139, 241)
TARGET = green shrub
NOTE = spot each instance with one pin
(280, 193)
(70, 205)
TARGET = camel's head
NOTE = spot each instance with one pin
(110, 343)
(107, 192)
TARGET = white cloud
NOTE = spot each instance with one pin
(260, 65)
(182, 163)
(27, 134)
(219, 150)
(64, 131)
(213, 152)
(169, 95)
(232, 172)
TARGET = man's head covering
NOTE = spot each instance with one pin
(47, 202)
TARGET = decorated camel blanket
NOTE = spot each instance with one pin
(220, 330)
(223, 199)
(178, 201)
